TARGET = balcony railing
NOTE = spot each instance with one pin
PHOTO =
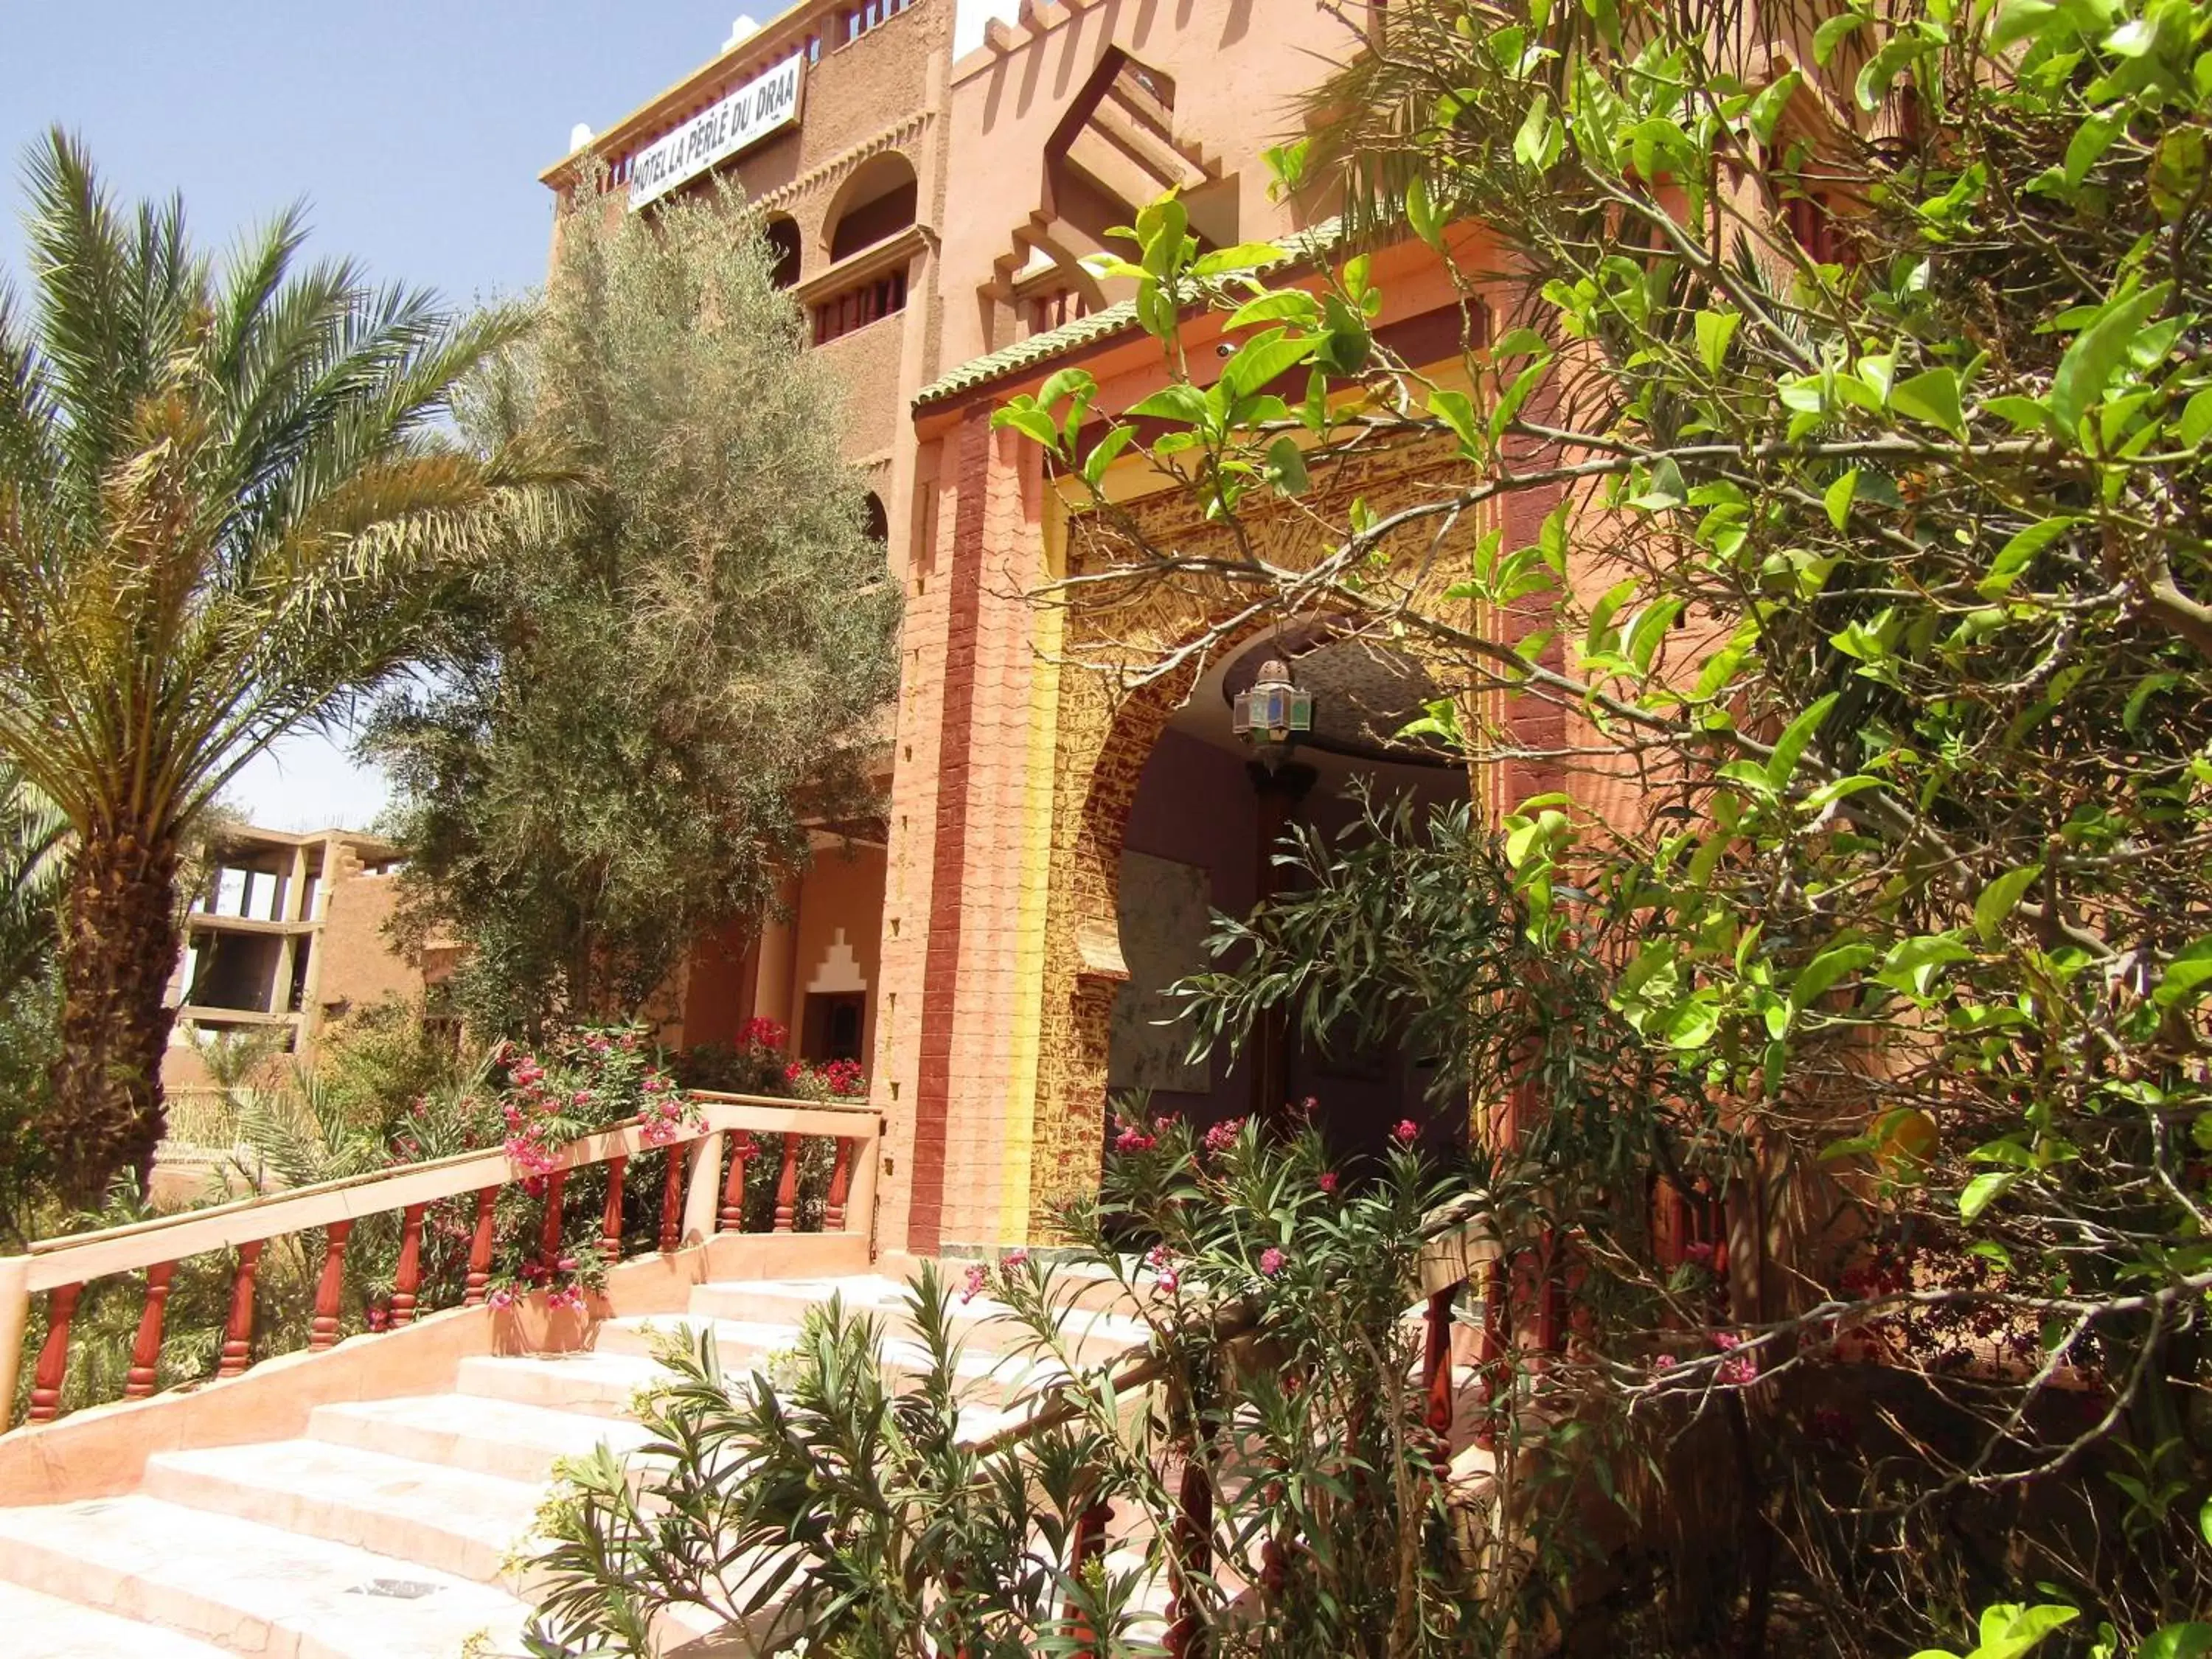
(694, 1205)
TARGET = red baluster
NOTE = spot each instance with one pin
(672, 1201)
(53, 1357)
(733, 1192)
(238, 1334)
(146, 1352)
(787, 1186)
(841, 1177)
(1437, 1367)
(611, 1218)
(480, 1248)
(549, 1242)
(1193, 1555)
(1088, 1545)
(329, 1287)
(408, 1278)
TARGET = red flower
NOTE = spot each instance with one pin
(1406, 1132)
(1223, 1135)
(1328, 1181)
(1272, 1260)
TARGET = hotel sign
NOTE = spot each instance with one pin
(765, 104)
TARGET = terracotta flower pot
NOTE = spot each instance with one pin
(532, 1325)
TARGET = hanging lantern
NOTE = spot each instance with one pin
(1274, 715)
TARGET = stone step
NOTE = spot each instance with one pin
(42, 1627)
(461, 1521)
(596, 1384)
(474, 1432)
(249, 1588)
(983, 1324)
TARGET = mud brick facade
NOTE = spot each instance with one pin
(1029, 736)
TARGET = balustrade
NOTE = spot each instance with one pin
(62, 1268)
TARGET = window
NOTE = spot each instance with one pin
(857, 307)
(860, 19)
(877, 202)
(1049, 311)
(813, 48)
(782, 235)
(833, 1025)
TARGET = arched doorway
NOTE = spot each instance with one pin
(1201, 836)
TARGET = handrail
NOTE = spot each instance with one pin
(62, 1266)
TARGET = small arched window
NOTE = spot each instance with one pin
(875, 520)
(782, 235)
(876, 203)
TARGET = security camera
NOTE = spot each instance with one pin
(1226, 349)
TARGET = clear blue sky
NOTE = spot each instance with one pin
(415, 131)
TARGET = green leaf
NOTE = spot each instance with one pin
(1831, 33)
(2196, 422)
(1765, 113)
(2016, 555)
(1031, 422)
(1285, 305)
(1896, 53)
(2016, 20)
(1245, 256)
(1421, 213)
(2087, 366)
(1161, 227)
(2190, 1641)
(2185, 975)
(1931, 395)
(1101, 455)
(2176, 172)
(1715, 330)
(1985, 1190)
(1288, 462)
(1186, 404)
(1790, 746)
(1456, 410)
(1837, 498)
(1821, 975)
(1529, 142)
(1995, 902)
(1264, 356)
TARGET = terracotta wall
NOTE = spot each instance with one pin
(359, 965)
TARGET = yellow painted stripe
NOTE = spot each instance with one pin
(1017, 1161)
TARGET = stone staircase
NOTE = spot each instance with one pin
(384, 1531)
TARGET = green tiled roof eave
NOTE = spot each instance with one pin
(1038, 348)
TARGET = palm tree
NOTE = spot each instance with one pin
(33, 873)
(227, 509)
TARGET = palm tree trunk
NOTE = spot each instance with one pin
(118, 945)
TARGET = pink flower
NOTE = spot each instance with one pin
(1223, 1135)
(1014, 1258)
(978, 1277)
(1157, 1257)
(1665, 1362)
(502, 1298)
(1134, 1139)
(1406, 1132)
(1328, 1181)
(1700, 1253)
(1271, 1261)
(1169, 1280)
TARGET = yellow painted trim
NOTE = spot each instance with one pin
(1017, 1161)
